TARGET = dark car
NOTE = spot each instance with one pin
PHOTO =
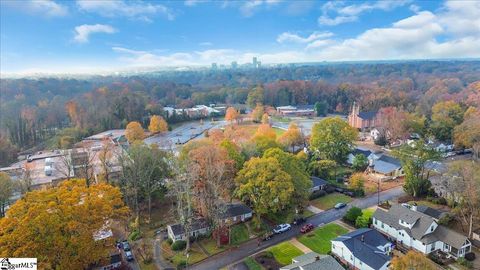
(299, 220)
(340, 205)
(306, 228)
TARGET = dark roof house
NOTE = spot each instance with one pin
(313, 261)
(236, 209)
(197, 224)
(318, 182)
(386, 164)
(367, 246)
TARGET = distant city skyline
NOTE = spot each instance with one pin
(88, 36)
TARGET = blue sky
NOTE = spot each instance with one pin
(92, 36)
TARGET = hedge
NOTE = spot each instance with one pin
(179, 245)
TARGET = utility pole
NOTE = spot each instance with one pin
(378, 191)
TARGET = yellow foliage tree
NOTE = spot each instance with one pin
(57, 225)
(134, 132)
(157, 124)
(292, 137)
(412, 260)
(265, 130)
(231, 114)
(257, 113)
(357, 181)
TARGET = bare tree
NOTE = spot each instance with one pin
(462, 185)
(83, 160)
(105, 156)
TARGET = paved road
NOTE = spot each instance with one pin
(249, 248)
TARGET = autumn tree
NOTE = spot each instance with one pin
(232, 115)
(412, 260)
(357, 181)
(321, 168)
(105, 156)
(292, 137)
(297, 171)
(265, 119)
(257, 113)
(265, 130)
(234, 153)
(445, 116)
(462, 186)
(467, 134)
(264, 185)
(392, 123)
(134, 132)
(157, 124)
(57, 225)
(414, 159)
(6, 191)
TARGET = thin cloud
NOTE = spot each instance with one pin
(83, 32)
(45, 8)
(134, 10)
(292, 37)
(205, 43)
(351, 13)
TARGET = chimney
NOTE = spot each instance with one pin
(317, 258)
(363, 238)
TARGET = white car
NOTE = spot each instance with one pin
(282, 228)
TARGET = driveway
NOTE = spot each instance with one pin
(249, 248)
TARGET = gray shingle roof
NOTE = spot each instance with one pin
(358, 151)
(197, 224)
(434, 213)
(386, 164)
(316, 181)
(366, 250)
(309, 261)
(236, 209)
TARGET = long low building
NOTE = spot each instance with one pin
(419, 231)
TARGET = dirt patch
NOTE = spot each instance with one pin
(371, 183)
(267, 260)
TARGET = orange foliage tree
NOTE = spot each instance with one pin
(232, 115)
(412, 260)
(134, 132)
(57, 225)
(157, 124)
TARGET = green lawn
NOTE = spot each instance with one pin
(239, 234)
(319, 239)
(278, 131)
(210, 245)
(252, 264)
(307, 213)
(285, 252)
(424, 203)
(329, 201)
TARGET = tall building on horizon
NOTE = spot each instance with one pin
(254, 62)
(234, 65)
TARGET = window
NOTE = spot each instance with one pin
(351, 257)
(431, 229)
(382, 225)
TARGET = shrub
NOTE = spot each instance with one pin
(470, 256)
(362, 222)
(169, 241)
(135, 235)
(181, 265)
(330, 189)
(360, 162)
(352, 215)
(179, 245)
(317, 194)
(445, 220)
(381, 140)
(464, 262)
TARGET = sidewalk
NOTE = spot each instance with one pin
(314, 209)
(300, 246)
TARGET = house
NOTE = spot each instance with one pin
(419, 231)
(388, 166)
(476, 237)
(313, 261)
(236, 212)
(362, 120)
(364, 249)
(318, 184)
(429, 211)
(359, 151)
(198, 227)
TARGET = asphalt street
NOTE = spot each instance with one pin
(251, 247)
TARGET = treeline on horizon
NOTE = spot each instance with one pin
(55, 112)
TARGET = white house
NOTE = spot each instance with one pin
(419, 231)
(198, 227)
(364, 249)
(388, 166)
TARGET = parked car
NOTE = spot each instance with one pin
(307, 227)
(129, 255)
(349, 193)
(340, 205)
(299, 220)
(282, 228)
(126, 246)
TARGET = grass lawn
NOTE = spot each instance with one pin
(239, 234)
(252, 264)
(425, 203)
(307, 213)
(278, 131)
(210, 245)
(150, 266)
(285, 252)
(285, 216)
(176, 257)
(329, 201)
(319, 239)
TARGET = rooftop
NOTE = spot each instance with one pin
(313, 261)
(316, 181)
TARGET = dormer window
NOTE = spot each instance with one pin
(431, 229)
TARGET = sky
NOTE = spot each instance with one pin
(87, 36)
